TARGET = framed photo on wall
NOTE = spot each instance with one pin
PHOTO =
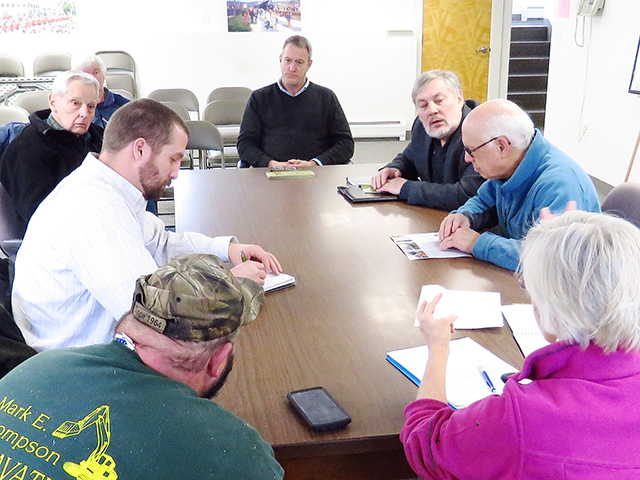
(634, 86)
(263, 16)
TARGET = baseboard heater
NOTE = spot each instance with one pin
(379, 129)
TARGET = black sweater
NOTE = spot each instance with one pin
(276, 126)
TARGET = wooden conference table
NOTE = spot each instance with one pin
(355, 299)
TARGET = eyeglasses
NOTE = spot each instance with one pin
(470, 151)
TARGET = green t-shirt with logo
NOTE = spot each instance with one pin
(99, 412)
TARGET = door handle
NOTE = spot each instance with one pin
(483, 50)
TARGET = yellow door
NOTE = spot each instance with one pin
(452, 32)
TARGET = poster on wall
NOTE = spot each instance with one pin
(634, 86)
(45, 16)
(263, 16)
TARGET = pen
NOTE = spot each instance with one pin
(486, 379)
(243, 256)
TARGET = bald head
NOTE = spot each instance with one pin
(501, 118)
(496, 136)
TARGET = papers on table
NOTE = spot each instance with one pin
(524, 327)
(279, 174)
(420, 246)
(363, 182)
(465, 383)
(359, 181)
(474, 309)
(276, 282)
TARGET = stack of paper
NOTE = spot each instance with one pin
(464, 382)
(524, 327)
(474, 309)
(276, 282)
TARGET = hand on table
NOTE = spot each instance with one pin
(463, 239)
(250, 269)
(301, 163)
(380, 178)
(392, 186)
(294, 162)
(253, 252)
(451, 223)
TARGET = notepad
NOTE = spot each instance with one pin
(465, 384)
(280, 174)
(420, 246)
(277, 282)
(525, 329)
(474, 309)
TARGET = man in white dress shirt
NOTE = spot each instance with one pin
(91, 238)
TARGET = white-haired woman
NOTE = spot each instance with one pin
(108, 102)
(574, 409)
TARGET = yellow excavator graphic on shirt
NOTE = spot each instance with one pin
(98, 465)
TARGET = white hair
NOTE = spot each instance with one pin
(512, 122)
(86, 61)
(582, 272)
(61, 83)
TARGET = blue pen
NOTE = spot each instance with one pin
(486, 379)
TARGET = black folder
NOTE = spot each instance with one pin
(355, 194)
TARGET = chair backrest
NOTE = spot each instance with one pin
(204, 136)
(229, 93)
(120, 81)
(11, 113)
(125, 93)
(117, 61)
(10, 66)
(33, 101)
(51, 63)
(179, 109)
(224, 112)
(624, 201)
(184, 97)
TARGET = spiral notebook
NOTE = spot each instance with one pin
(465, 383)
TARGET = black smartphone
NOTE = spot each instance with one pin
(318, 409)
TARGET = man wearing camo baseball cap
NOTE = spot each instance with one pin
(149, 389)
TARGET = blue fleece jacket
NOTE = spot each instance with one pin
(104, 110)
(546, 177)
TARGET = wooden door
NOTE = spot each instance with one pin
(452, 32)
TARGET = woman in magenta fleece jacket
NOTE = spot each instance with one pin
(573, 412)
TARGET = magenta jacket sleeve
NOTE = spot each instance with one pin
(476, 442)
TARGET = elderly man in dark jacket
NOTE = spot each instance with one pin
(54, 143)
(431, 171)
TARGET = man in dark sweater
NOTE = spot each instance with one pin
(294, 122)
(431, 171)
(53, 145)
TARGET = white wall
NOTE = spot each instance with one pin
(588, 89)
(185, 44)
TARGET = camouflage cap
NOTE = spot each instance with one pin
(196, 298)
